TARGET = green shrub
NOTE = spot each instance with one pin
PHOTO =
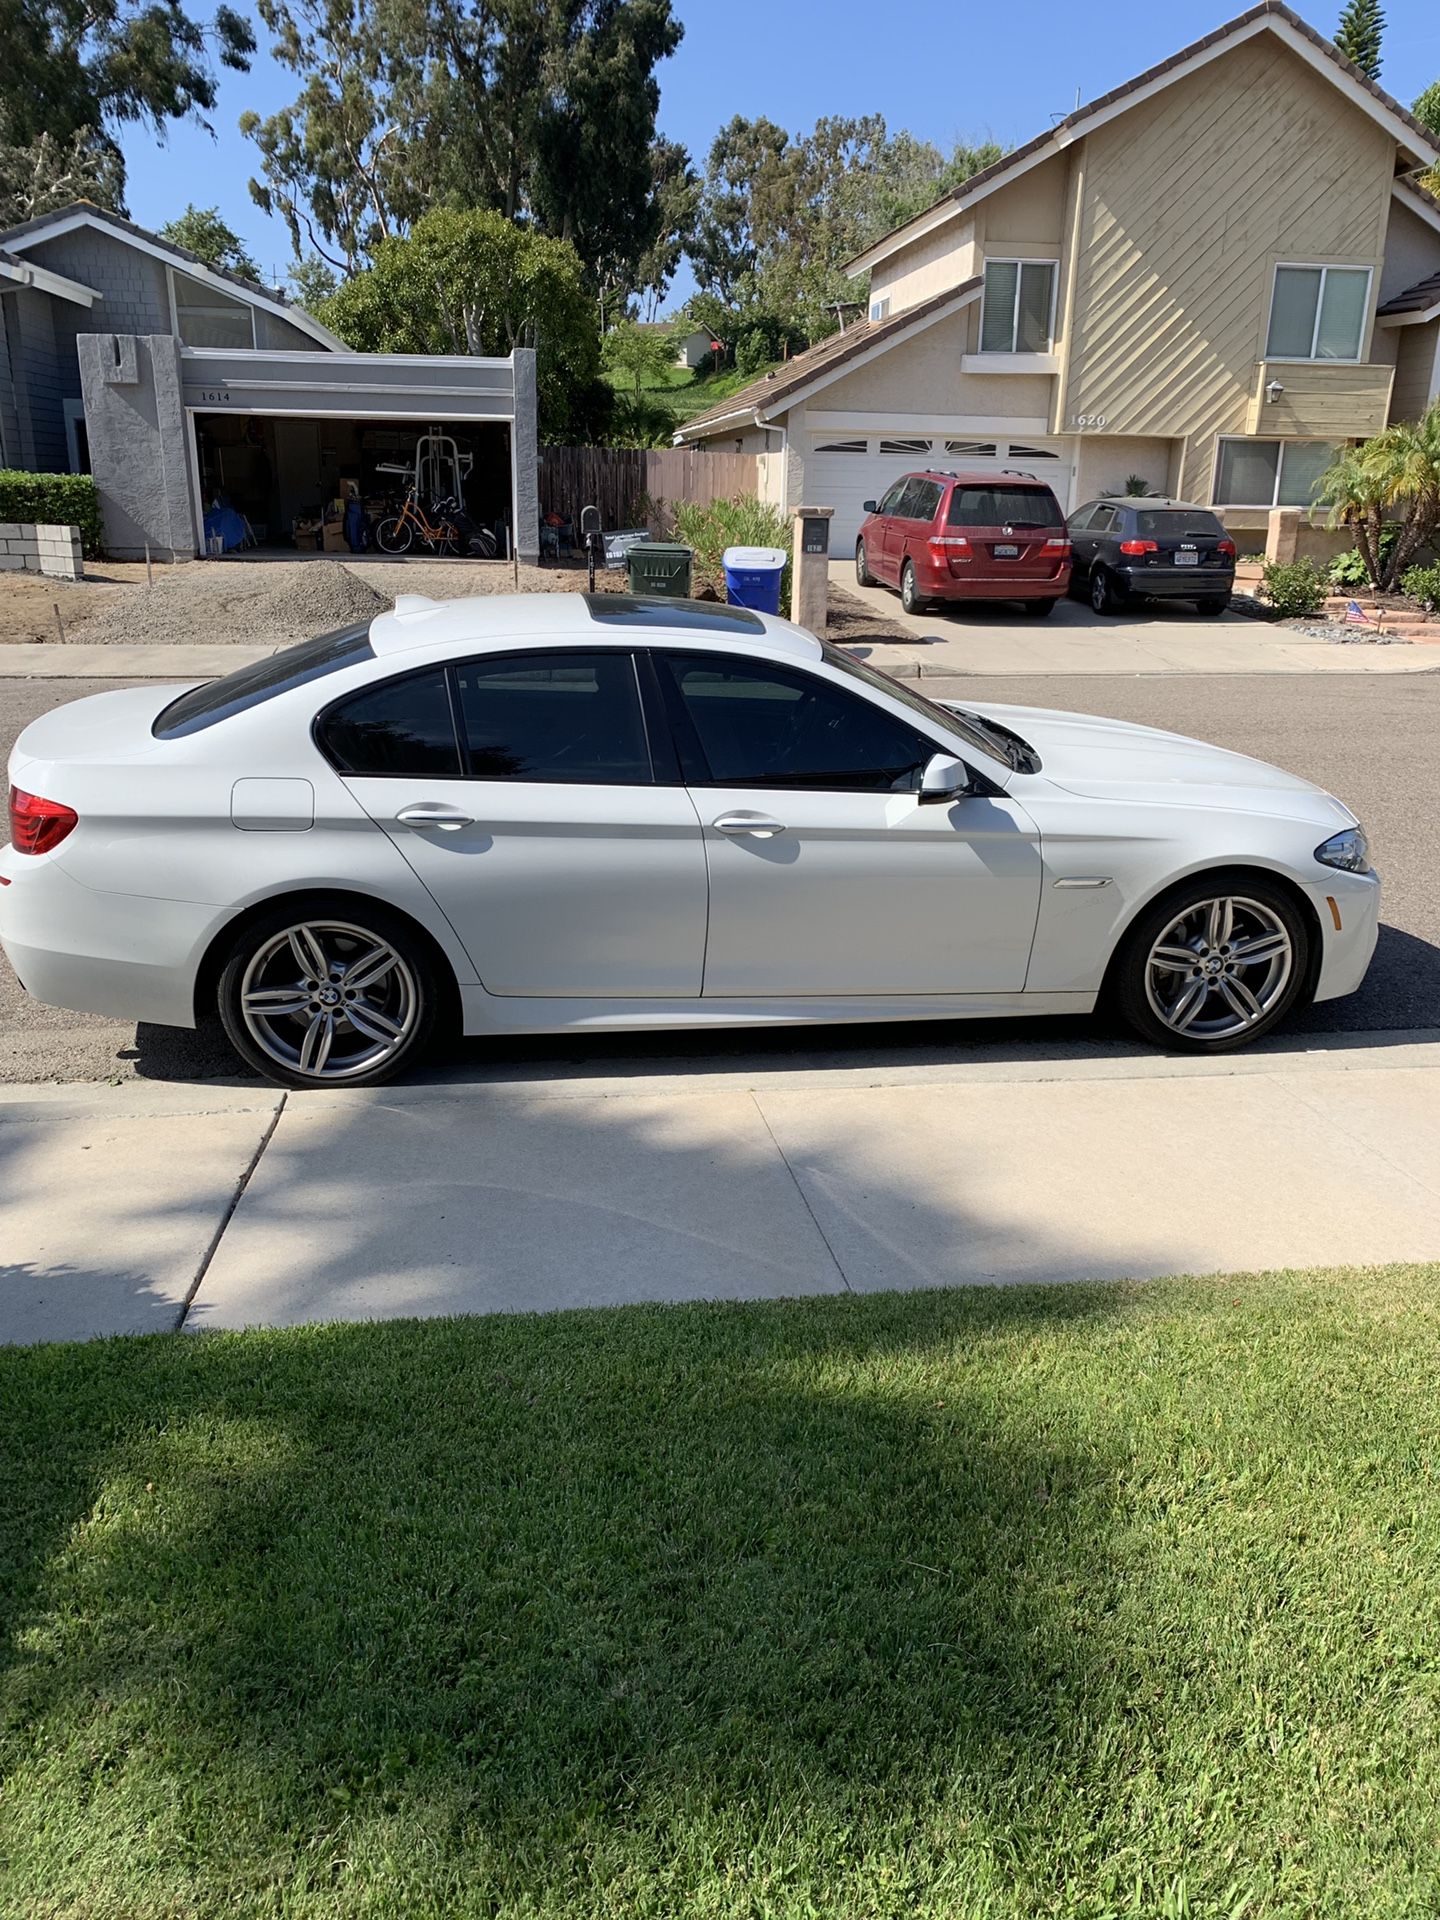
(53, 499)
(745, 521)
(1295, 589)
(1423, 584)
(1349, 569)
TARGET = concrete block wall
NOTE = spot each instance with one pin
(52, 550)
(135, 419)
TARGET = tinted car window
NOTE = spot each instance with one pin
(1171, 523)
(890, 503)
(761, 726)
(564, 717)
(1105, 518)
(1004, 506)
(248, 686)
(1080, 521)
(404, 726)
(922, 503)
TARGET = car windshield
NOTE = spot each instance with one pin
(983, 734)
(1177, 523)
(217, 700)
(1004, 506)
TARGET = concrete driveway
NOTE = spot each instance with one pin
(1002, 638)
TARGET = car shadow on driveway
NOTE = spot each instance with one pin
(1401, 995)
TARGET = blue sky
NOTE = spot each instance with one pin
(998, 71)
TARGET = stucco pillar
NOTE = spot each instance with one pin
(138, 436)
(810, 568)
(525, 456)
(1282, 535)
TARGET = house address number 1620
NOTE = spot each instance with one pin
(1090, 419)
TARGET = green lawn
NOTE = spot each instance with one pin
(683, 393)
(1086, 1601)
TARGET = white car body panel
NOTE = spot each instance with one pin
(626, 906)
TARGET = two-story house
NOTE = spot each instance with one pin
(1209, 278)
(180, 386)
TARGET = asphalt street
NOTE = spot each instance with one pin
(1373, 741)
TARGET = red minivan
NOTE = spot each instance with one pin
(967, 536)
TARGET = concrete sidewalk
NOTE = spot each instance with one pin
(1073, 640)
(136, 1207)
(76, 661)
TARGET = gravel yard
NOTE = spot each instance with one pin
(282, 601)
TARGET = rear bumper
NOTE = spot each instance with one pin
(984, 583)
(1179, 583)
(107, 953)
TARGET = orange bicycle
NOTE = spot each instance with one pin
(412, 526)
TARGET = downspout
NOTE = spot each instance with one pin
(765, 426)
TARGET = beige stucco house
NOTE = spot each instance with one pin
(1209, 278)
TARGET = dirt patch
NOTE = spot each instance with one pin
(853, 624)
(28, 602)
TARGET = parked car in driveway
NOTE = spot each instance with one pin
(966, 536)
(1128, 548)
(534, 813)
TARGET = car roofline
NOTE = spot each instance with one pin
(517, 623)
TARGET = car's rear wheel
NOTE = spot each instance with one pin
(319, 996)
(1214, 964)
(1106, 593)
(1039, 609)
(911, 598)
(863, 575)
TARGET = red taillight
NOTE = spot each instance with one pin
(956, 540)
(1226, 549)
(1057, 546)
(37, 825)
(1138, 546)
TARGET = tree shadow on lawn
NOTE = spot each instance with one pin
(617, 1604)
(859, 1606)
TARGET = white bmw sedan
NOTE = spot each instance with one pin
(548, 812)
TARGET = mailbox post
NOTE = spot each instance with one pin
(810, 562)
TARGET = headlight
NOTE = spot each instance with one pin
(1350, 850)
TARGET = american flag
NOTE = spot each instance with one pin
(1356, 616)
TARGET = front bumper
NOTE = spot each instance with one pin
(1346, 950)
(107, 953)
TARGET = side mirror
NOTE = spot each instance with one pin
(945, 778)
(867, 506)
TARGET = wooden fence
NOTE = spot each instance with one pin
(629, 484)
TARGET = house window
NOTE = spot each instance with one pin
(842, 446)
(1019, 306)
(879, 308)
(1318, 313)
(1270, 473)
(976, 449)
(206, 317)
(904, 446)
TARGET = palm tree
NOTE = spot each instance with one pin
(1395, 476)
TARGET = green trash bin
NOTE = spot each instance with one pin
(656, 566)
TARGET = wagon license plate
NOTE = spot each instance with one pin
(1187, 559)
(1003, 552)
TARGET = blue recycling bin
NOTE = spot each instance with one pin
(753, 576)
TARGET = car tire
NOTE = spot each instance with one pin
(1213, 608)
(1106, 593)
(307, 1028)
(911, 598)
(863, 575)
(1039, 609)
(1216, 1002)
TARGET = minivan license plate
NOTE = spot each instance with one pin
(1007, 553)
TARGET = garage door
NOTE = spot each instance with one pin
(845, 472)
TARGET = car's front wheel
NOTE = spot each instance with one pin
(863, 575)
(326, 996)
(1214, 964)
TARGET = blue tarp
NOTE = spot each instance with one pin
(228, 526)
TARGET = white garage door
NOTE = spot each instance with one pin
(844, 472)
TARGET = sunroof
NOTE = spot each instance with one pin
(703, 616)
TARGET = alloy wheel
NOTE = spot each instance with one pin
(329, 1000)
(1219, 968)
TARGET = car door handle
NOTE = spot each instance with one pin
(753, 823)
(429, 813)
